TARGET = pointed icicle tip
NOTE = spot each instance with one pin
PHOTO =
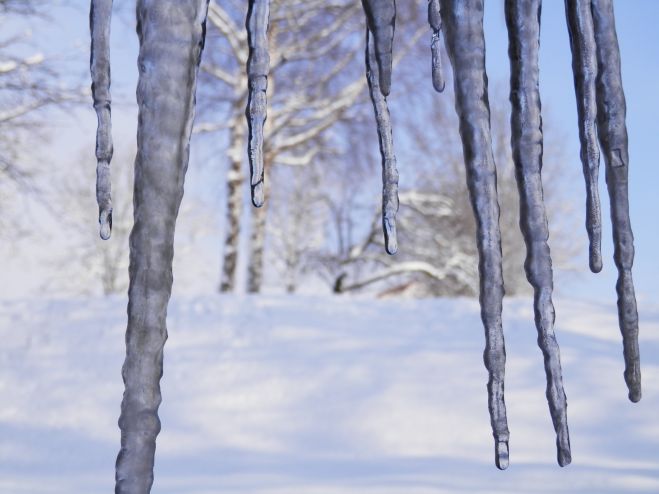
(632, 371)
(564, 457)
(381, 18)
(390, 236)
(258, 197)
(501, 456)
(105, 222)
(595, 255)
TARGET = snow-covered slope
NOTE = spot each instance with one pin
(323, 395)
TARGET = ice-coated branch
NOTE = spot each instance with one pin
(612, 131)
(258, 65)
(465, 43)
(584, 67)
(381, 19)
(435, 21)
(523, 21)
(385, 135)
(171, 34)
(100, 15)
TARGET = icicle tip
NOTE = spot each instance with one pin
(595, 257)
(258, 196)
(633, 380)
(390, 238)
(564, 457)
(501, 458)
(105, 222)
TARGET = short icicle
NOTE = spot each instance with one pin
(584, 67)
(465, 43)
(385, 135)
(381, 19)
(258, 66)
(100, 15)
(523, 21)
(171, 34)
(435, 21)
(612, 130)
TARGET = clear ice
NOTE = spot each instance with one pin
(100, 15)
(171, 34)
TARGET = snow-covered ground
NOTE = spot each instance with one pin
(323, 395)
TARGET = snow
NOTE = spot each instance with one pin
(276, 394)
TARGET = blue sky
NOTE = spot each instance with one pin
(639, 45)
(639, 42)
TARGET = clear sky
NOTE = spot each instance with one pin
(639, 41)
(639, 44)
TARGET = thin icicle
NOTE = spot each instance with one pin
(435, 21)
(385, 135)
(612, 130)
(171, 36)
(381, 18)
(584, 67)
(258, 66)
(465, 43)
(100, 15)
(523, 21)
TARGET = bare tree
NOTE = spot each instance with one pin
(437, 255)
(99, 264)
(30, 85)
(312, 52)
(295, 231)
(102, 266)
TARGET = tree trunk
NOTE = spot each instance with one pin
(235, 181)
(257, 245)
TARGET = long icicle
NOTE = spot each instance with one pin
(171, 34)
(584, 67)
(385, 135)
(381, 18)
(100, 15)
(523, 21)
(258, 66)
(612, 130)
(465, 43)
(435, 21)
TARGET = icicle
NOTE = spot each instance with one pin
(100, 15)
(465, 43)
(435, 21)
(584, 67)
(171, 34)
(381, 17)
(612, 130)
(258, 65)
(385, 134)
(523, 20)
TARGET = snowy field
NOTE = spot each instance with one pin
(323, 395)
